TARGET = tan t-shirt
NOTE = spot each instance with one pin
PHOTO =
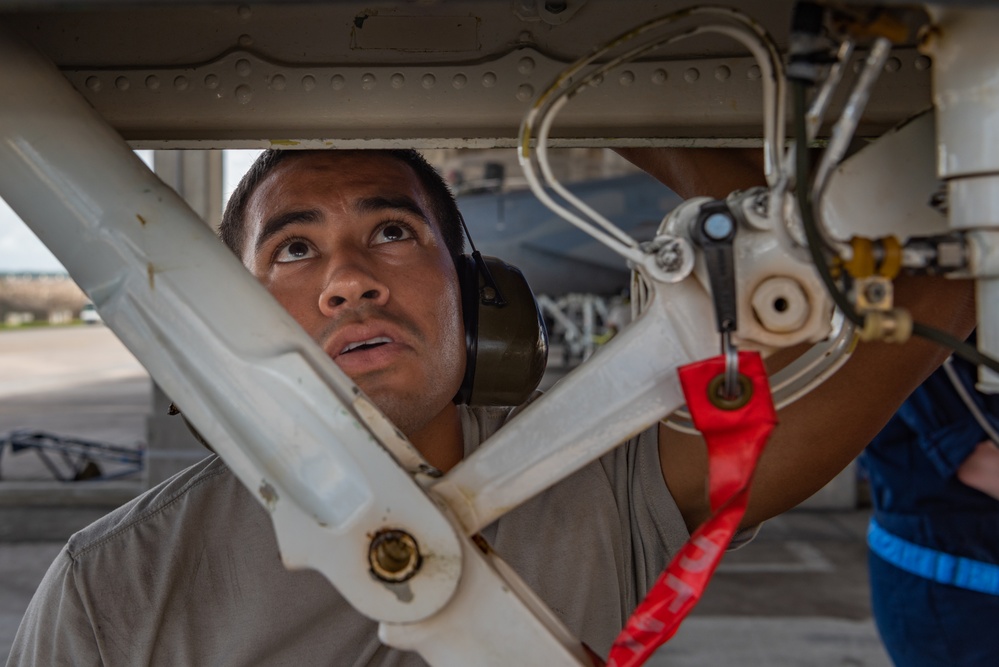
(189, 572)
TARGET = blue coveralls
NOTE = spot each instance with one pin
(917, 497)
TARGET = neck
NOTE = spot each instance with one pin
(441, 441)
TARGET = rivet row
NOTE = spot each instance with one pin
(397, 80)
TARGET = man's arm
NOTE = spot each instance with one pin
(821, 433)
(694, 172)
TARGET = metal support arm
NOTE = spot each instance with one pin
(636, 372)
(292, 426)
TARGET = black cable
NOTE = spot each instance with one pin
(805, 204)
(804, 196)
(961, 348)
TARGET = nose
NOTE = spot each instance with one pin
(351, 284)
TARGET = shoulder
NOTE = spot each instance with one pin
(125, 567)
(199, 483)
(479, 422)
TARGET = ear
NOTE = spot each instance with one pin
(506, 341)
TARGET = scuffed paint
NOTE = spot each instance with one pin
(268, 494)
(403, 591)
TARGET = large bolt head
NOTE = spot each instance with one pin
(394, 556)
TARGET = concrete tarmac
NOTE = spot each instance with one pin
(72, 381)
(796, 597)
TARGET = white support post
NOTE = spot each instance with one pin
(964, 48)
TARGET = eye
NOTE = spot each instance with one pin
(293, 250)
(393, 231)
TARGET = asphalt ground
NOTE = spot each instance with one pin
(796, 596)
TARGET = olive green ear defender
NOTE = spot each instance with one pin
(505, 336)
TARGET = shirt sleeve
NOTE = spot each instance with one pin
(658, 513)
(656, 525)
(56, 628)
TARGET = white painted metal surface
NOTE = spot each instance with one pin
(429, 74)
(966, 97)
(494, 619)
(898, 168)
(779, 271)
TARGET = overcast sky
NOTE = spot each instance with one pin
(20, 249)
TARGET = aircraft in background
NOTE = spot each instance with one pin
(555, 257)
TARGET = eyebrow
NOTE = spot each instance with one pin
(313, 216)
(399, 203)
(275, 224)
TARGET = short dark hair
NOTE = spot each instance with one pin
(232, 230)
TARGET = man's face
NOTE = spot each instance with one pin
(346, 243)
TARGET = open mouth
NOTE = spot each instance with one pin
(369, 344)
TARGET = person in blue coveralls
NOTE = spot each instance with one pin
(934, 536)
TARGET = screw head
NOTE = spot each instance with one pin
(761, 203)
(670, 256)
(874, 292)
